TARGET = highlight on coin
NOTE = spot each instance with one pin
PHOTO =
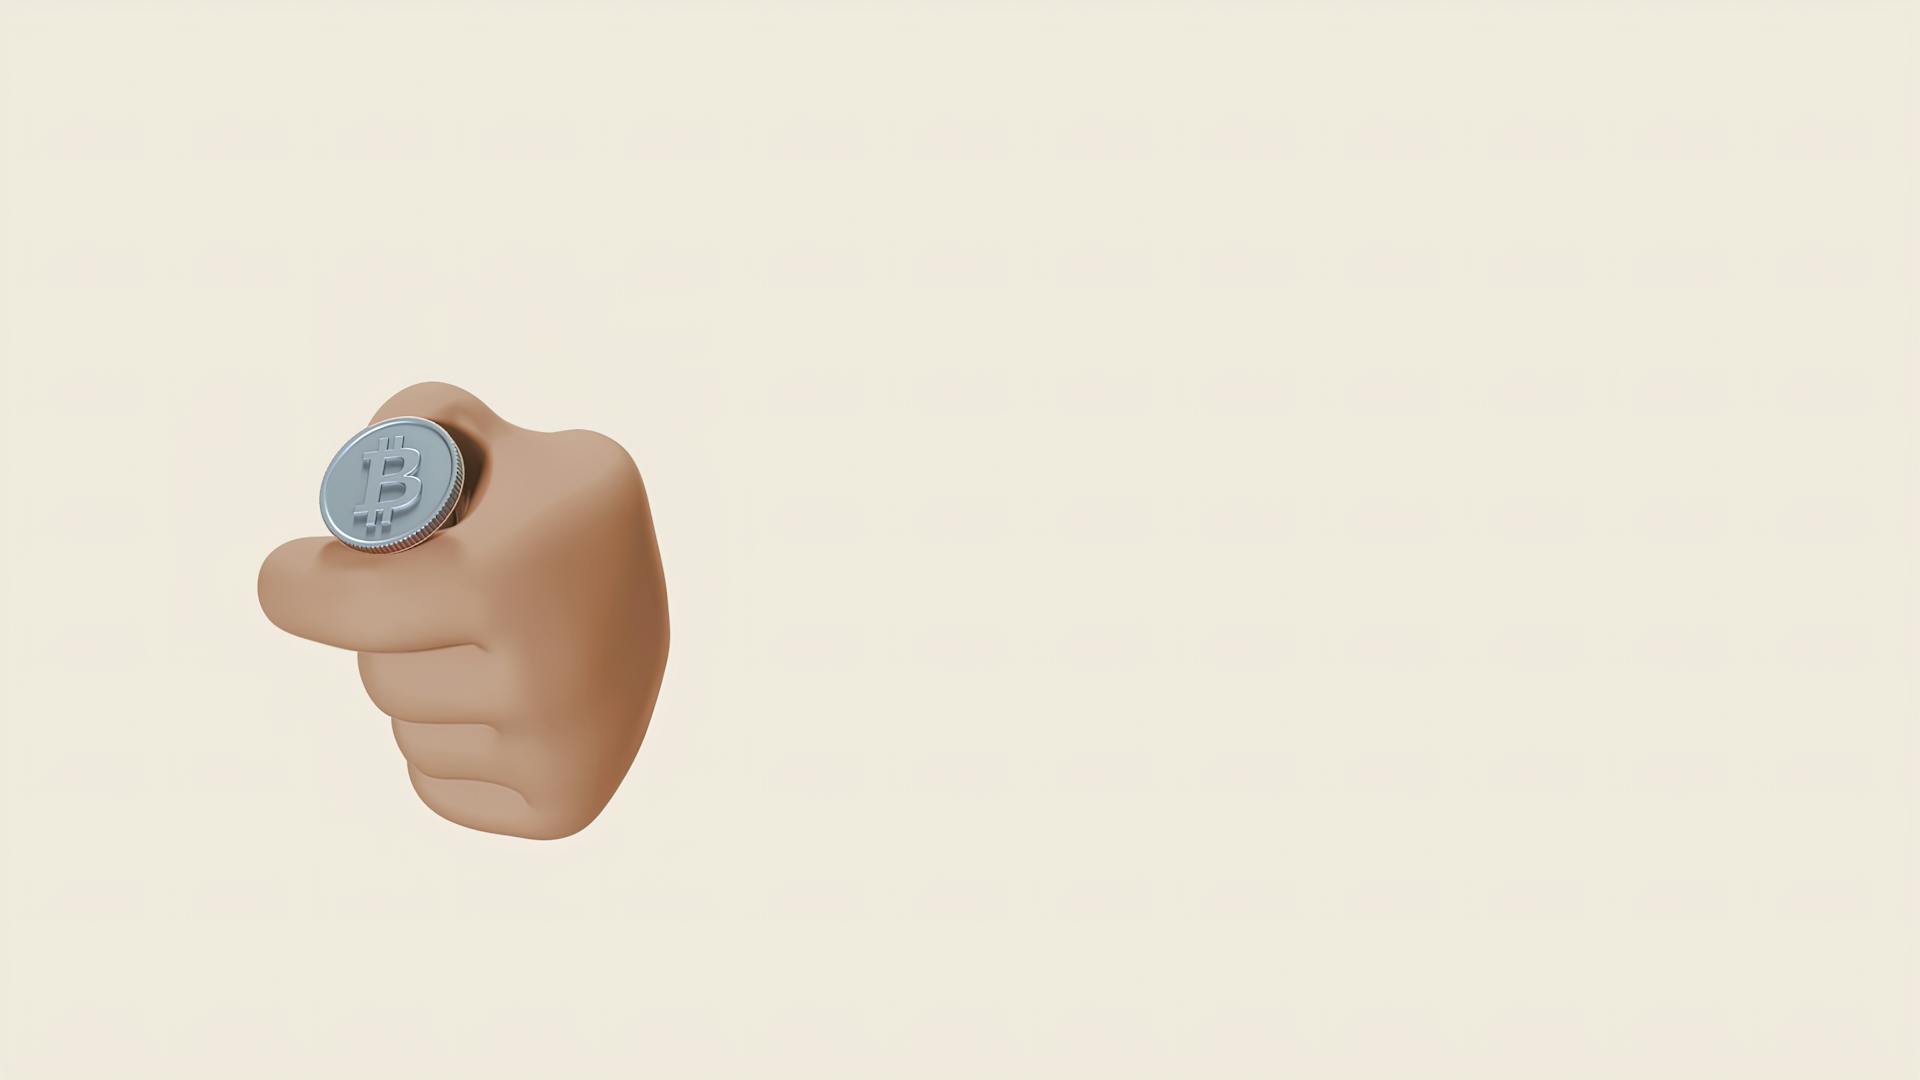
(392, 485)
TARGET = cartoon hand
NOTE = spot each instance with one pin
(519, 650)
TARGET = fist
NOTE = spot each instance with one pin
(518, 650)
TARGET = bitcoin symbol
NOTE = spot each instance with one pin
(377, 509)
(380, 494)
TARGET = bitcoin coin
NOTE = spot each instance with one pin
(392, 485)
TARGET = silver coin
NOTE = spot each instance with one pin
(392, 485)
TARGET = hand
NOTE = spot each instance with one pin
(520, 649)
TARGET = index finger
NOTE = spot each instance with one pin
(320, 589)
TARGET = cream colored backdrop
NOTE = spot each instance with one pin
(1294, 540)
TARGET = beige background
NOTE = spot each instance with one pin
(1325, 541)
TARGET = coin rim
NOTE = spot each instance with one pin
(424, 530)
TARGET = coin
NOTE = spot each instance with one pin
(392, 485)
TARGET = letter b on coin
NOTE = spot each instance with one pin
(392, 485)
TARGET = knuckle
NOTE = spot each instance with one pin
(381, 686)
(445, 750)
(455, 685)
